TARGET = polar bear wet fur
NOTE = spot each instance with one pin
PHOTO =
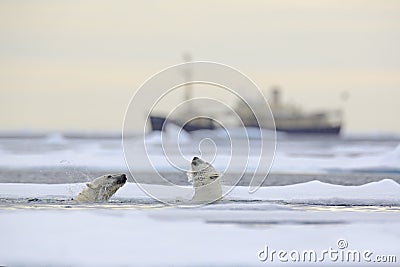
(205, 179)
(101, 188)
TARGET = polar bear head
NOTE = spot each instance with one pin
(102, 188)
(205, 180)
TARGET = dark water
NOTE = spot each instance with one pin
(63, 176)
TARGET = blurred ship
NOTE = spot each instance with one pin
(288, 118)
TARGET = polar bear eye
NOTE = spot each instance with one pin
(109, 176)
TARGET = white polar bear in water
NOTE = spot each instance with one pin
(205, 180)
(101, 188)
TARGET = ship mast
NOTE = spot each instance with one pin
(187, 75)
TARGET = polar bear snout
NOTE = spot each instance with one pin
(117, 179)
(196, 161)
(121, 179)
(199, 165)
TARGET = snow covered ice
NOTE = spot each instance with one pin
(133, 229)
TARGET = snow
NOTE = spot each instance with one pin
(134, 230)
(339, 159)
(137, 238)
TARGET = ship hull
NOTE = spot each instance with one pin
(322, 130)
(158, 122)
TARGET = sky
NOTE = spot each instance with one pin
(74, 65)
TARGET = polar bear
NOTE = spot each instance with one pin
(101, 188)
(205, 180)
